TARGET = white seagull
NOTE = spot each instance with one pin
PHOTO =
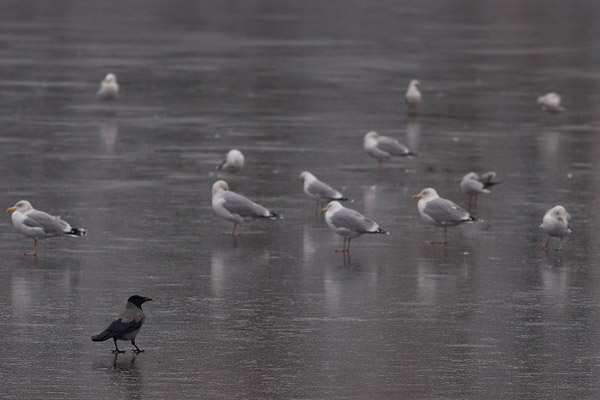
(441, 212)
(413, 96)
(38, 225)
(550, 102)
(236, 208)
(234, 161)
(473, 185)
(319, 191)
(556, 223)
(348, 223)
(383, 147)
(109, 88)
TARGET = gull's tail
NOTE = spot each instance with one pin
(220, 167)
(76, 232)
(272, 215)
(379, 231)
(488, 184)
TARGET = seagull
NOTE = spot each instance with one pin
(348, 223)
(556, 223)
(550, 102)
(441, 212)
(38, 225)
(413, 96)
(319, 191)
(383, 147)
(234, 161)
(127, 324)
(109, 88)
(236, 208)
(473, 185)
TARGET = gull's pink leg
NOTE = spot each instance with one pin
(35, 246)
(545, 244)
(343, 250)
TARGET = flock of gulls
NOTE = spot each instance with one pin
(346, 222)
(349, 223)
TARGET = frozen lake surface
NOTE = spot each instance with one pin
(277, 314)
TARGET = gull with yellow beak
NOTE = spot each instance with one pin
(441, 212)
(38, 225)
(348, 223)
(556, 223)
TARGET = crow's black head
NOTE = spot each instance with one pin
(138, 300)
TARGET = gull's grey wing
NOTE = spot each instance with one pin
(242, 206)
(323, 190)
(353, 221)
(48, 223)
(392, 146)
(445, 212)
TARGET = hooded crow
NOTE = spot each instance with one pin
(127, 324)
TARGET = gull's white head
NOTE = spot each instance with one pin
(219, 186)
(234, 161)
(371, 135)
(332, 206)
(235, 158)
(110, 78)
(559, 213)
(471, 175)
(22, 206)
(414, 82)
(426, 194)
(305, 175)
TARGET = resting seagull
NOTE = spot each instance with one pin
(550, 102)
(556, 223)
(38, 225)
(319, 191)
(236, 208)
(233, 162)
(473, 185)
(348, 223)
(441, 212)
(127, 324)
(383, 147)
(413, 96)
(109, 88)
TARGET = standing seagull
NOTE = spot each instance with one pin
(38, 225)
(413, 96)
(383, 147)
(441, 212)
(550, 102)
(348, 223)
(473, 185)
(319, 191)
(233, 162)
(556, 223)
(109, 88)
(127, 324)
(236, 208)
